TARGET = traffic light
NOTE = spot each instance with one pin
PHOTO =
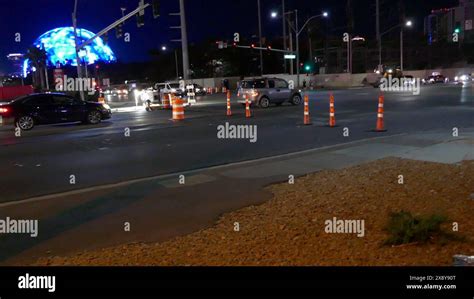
(119, 31)
(457, 30)
(140, 20)
(156, 8)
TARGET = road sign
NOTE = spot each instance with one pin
(290, 56)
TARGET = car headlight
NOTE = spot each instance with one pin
(464, 78)
(106, 106)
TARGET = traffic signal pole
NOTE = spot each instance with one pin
(102, 32)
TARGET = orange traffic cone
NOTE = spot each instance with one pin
(248, 113)
(178, 109)
(307, 118)
(380, 115)
(229, 110)
(332, 111)
(167, 98)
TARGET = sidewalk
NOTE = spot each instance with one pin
(160, 208)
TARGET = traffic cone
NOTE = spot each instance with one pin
(307, 118)
(248, 113)
(332, 112)
(380, 115)
(229, 110)
(178, 109)
(166, 104)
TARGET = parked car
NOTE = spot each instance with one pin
(263, 92)
(435, 79)
(173, 88)
(463, 79)
(117, 90)
(49, 108)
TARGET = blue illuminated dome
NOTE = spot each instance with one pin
(59, 46)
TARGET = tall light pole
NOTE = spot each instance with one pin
(283, 8)
(352, 40)
(286, 19)
(76, 46)
(260, 35)
(184, 40)
(164, 48)
(408, 24)
(379, 38)
(298, 31)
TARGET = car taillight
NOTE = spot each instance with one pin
(3, 110)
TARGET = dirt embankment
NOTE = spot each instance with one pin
(289, 230)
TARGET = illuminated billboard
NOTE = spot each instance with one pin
(60, 48)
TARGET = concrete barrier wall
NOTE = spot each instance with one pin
(342, 80)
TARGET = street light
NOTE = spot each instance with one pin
(407, 24)
(274, 15)
(298, 31)
(165, 48)
(352, 40)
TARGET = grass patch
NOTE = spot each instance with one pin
(404, 228)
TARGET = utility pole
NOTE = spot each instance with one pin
(184, 40)
(176, 61)
(401, 49)
(379, 39)
(310, 42)
(284, 33)
(297, 49)
(260, 35)
(78, 60)
(292, 72)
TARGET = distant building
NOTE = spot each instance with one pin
(442, 23)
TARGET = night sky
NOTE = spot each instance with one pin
(216, 19)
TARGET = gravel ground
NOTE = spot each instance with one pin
(289, 230)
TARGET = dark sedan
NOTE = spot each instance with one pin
(51, 108)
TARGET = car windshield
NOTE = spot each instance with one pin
(174, 85)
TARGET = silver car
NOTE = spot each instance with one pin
(263, 92)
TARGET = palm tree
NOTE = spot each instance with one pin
(38, 59)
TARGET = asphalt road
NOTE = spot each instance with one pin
(42, 161)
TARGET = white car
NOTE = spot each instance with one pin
(463, 79)
(172, 88)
